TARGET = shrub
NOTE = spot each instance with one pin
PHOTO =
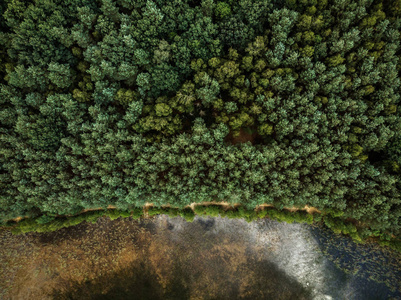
(187, 214)
(137, 213)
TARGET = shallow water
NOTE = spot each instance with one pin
(210, 258)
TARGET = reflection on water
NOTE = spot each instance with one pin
(211, 258)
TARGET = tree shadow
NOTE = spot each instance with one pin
(134, 282)
(141, 282)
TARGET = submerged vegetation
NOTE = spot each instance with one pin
(123, 103)
(169, 258)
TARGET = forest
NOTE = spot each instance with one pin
(173, 102)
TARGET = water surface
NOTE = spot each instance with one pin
(211, 258)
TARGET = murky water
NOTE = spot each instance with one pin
(211, 258)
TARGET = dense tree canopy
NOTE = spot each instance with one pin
(124, 102)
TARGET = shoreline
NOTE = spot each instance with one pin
(307, 208)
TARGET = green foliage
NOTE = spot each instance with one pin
(44, 219)
(29, 225)
(93, 216)
(137, 213)
(396, 245)
(335, 213)
(124, 96)
(392, 156)
(162, 109)
(290, 217)
(172, 212)
(188, 214)
(262, 213)
(200, 210)
(211, 210)
(128, 102)
(222, 10)
(115, 214)
(337, 224)
(248, 215)
(154, 211)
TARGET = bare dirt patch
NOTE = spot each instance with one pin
(243, 137)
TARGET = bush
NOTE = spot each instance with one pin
(153, 211)
(137, 213)
(248, 215)
(212, 210)
(262, 213)
(93, 216)
(200, 209)
(172, 212)
(187, 214)
(115, 214)
(230, 213)
(44, 219)
(395, 244)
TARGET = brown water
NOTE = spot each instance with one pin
(164, 258)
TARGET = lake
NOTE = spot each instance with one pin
(210, 258)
